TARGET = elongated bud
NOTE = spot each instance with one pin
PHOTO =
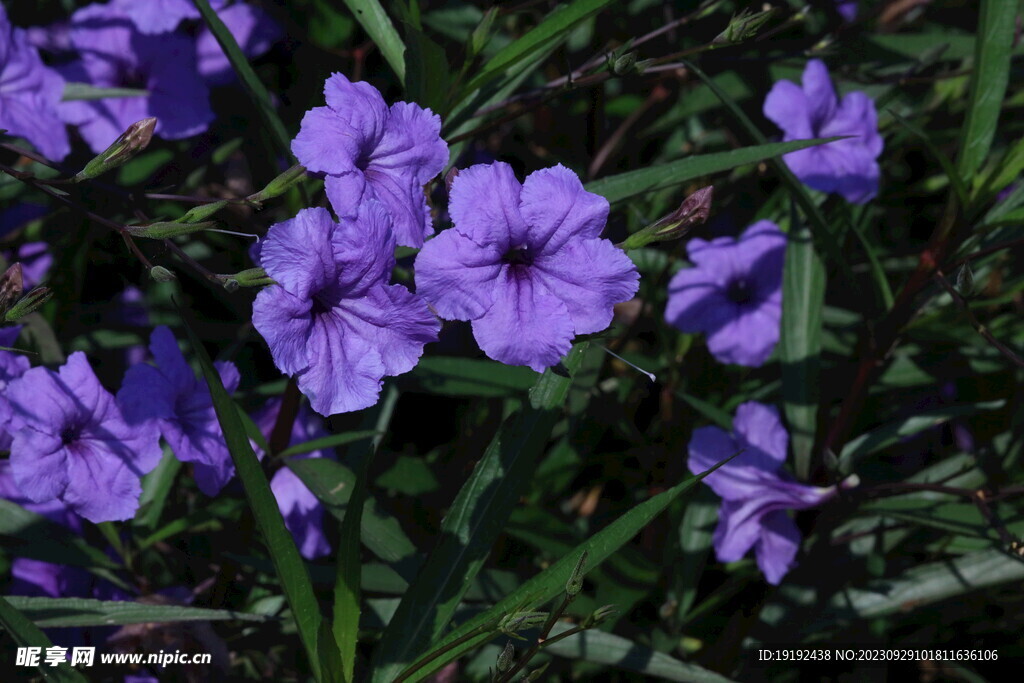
(624, 64)
(200, 213)
(130, 143)
(504, 662)
(279, 185)
(744, 25)
(161, 274)
(11, 287)
(694, 210)
(520, 621)
(253, 277)
(33, 300)
(161, 230)
(599, 615)
(575, 583)
(965, 281)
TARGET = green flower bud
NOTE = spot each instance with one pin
(504, 662)
(279, 185)
(161, 274)
(130, 143)
(200, 213)
(744, 25)
(33, 300)
(161, 230)
(253, 277)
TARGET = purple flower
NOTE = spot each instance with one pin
(71, 443)
(302, 512)
(332, 320)
(734, 293)
(29, 94)
(847, 9)
(849, 166)
(132, 311)
(253, 30)
(755, 490)
(180, 403)
(115, 55)
(157, 16)
(525, 263)
(35, 259)
(12, 366)
(369, 151)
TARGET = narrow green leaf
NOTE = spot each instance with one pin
(84, 91)
(695, 533)
(287, 562)
(992, 53)
(468, 377)
(428, 72)
(34, 536)
(556, 25)
(803, 298)
(377, 24)
(332, 441)
(26, 634)
(75, 612)
(257, 91)
(156, 486)
(551, 582)
(476, 518)
(625, 185)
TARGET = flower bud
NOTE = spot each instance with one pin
(965, 281)
(599, 615)
(11, 287)
(575, 583)
(200, 213)
(33, 300)
(694, 210)
(162, 230)
(744, 25)
(521, 621)
(130, 143)
(279, 185)
(624, 64)
(253, 277)
(161, 274)
(504, 662)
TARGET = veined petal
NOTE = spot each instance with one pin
(411, 143)
(327, 143)
(298, 253)
(777, 547)
(557, 208)
(484, 205)
(344, 371)
(361, 106)
(457, 275)
(395, 321)
(285, 322)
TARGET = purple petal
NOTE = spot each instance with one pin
(298, 253)
(254, 31)
(326, 143)
(484, 205)
(821, 96)
(157, 16)
(411, 143)
(556, 209)
(345, 369)
(361, 106)
(457, 275)
(403, 196)
(777, 547)
(284, 321)
(363, 249)
(395, 321)
(759, 425)
(303, 514)
(347, 192)
(696, 304)
(737, 531)
(749, 338)
(786, 106)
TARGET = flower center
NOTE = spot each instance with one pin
(740, 291)
(69, 435)
(518, 257)
(320, 306)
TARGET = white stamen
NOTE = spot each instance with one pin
(237, 234)
(638, 369)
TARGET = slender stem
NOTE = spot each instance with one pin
(535, 648)
(985, 252)
(977, 324)
(420, 663)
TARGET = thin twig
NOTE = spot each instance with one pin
(977, 324)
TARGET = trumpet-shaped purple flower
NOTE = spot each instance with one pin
(734, 293)
(525, 263)
(170, 394)
(755, 490)
(303, 514)
(12, 366)
(71, 443)
(370, 151)
(332, 320)
(114, 54)
(847, 167)
(252, 28)
(30, 94)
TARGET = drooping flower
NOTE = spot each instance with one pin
(252, 28)
(71, 443)
(756, 492)
(733, 293)
(525, 263)
(303, 514)
(170, 394)
(332, 320)
(12, 366)
(30, 93)
(114, 54)
(848, 167)
(370, 151)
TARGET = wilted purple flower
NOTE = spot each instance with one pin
(369, 151)
(71, 443)
(29, 94)
(180, 403)
(12, 366)
(303, 514)
(116, 55)
(252, 28)
(755, 490)
(847, 167)
(526, 263)
(332, 320)
(733, 293)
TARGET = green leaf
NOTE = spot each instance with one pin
(332, 441)
(26, 634)
(411, 476)
(468, 377)
(347, 584)
(947, 166)
(992, 53)
(156, 486)
(36, 537)
(332, 483)
(476, 518)
(291, 570)
(84, 91)
(551, 582)
(428, 72)
(803, 298)
(555, 26)
(892, 432)
(601, 647)
(76, 612)
(375, 21)
(695, 533)
(252, 84)
(625, 185)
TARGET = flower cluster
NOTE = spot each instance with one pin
(756, 492)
